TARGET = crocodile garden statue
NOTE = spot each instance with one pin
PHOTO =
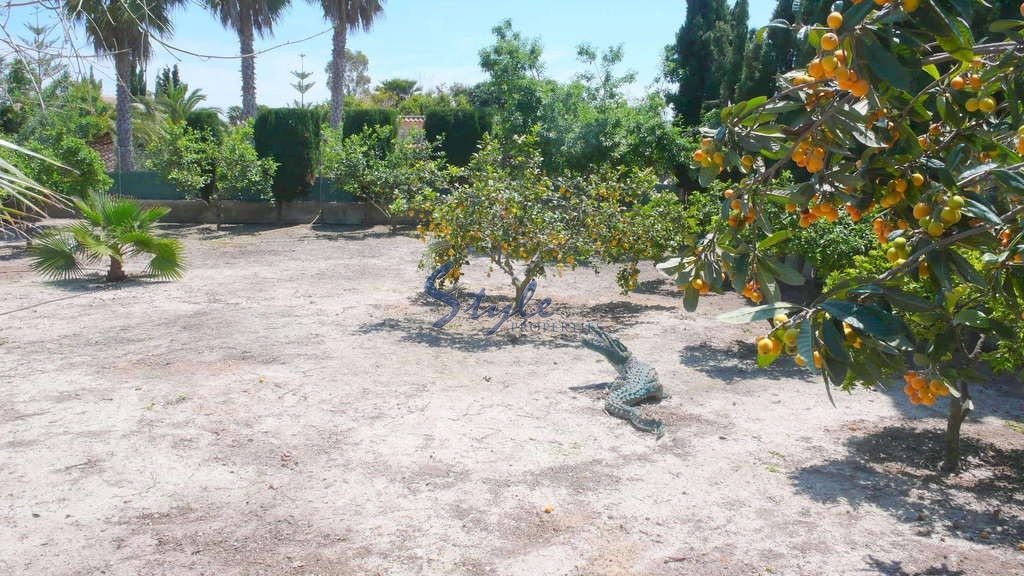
(637, 381)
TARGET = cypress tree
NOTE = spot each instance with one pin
(694, 61)
(738, 20)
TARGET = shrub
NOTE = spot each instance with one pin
(206, 120)
(505, 206)
(385, 173)
(357, 120)
(291, 137)
(459, 131)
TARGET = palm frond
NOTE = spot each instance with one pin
(148, 217)
(91, 208)
(168, 254)
(92, 247)
(54, 255)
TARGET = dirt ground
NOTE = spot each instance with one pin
(287, 409)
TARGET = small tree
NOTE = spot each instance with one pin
(505, 206)
(113, 229)
(903, 118)
(373, 166)
(213, 170)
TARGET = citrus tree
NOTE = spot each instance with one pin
(904, 118)
(527, 221)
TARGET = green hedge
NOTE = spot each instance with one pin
(291, 136)
(358, 119)
(460, 130)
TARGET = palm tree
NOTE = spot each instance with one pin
(246, 17)
(177, 102)
(114, 229)
(122, 29)
(21, 199)
(345, 15)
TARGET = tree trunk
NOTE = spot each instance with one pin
(125, 153)
(245, 41)
(116, 271)
(338, 41)
(959, 408)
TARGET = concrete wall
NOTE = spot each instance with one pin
(238, 212)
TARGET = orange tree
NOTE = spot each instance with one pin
(504, 205)
(904, 118)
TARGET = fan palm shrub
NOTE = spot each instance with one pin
(113, 229)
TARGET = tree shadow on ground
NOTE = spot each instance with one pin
(1000, 396)
(337, 232)
(895, 568)
(661, 287)
(736, 361)
(469, 336)
(895, 469)
(561, 330)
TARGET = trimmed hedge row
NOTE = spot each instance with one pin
(460, 131)
(291, 136)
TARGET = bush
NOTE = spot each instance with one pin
(357, 120)
(526, 221)
(206, 120)
(385, 173)
(85, 172)
(291, 137)
(459, 130)
(214, 171)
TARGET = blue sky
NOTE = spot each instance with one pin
(432, 42)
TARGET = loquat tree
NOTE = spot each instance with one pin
(903, 117)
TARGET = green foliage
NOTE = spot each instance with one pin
(699, 60)
(505, 206)
(830, 246)
(183, 157)
(927, 142)
(515, 86)
(359, 119)
(210, 169)
(387, 173)
(291, 137)
(458, 130)
(241, 173)
(206, 120)
(74, 115)
(80, 170)
(113, 230)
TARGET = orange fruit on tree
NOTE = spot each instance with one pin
(765, 347)
(835, 20)
(829, 41)
(958, 83)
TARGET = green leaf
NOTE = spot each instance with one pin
(872, 321)
(805, 344)
(781, 271)
(855, 15)
(776, 238)
(885, 65)
(835, 343)
(757, 313)
(971, 317)
(907, 301)
(691, 298)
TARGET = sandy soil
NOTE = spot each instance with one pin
(288, 409)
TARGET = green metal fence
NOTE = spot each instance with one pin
(151, 186)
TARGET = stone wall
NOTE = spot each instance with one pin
(238, 212)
